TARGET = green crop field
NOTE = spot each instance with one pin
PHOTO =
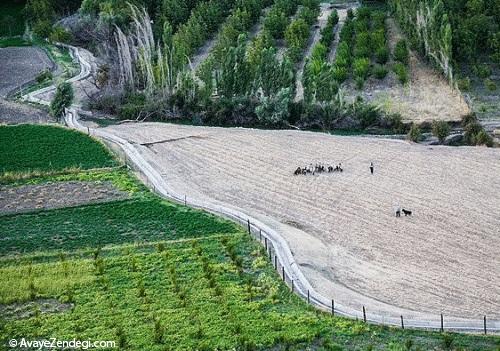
(129, 221)
(206, 294)
(28, 148)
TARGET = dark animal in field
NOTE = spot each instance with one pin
(406, 212)
(330, 169)
(398, 213)
(297, 171)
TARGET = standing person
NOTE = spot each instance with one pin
(371, 167)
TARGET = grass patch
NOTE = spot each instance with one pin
(13, 41)
(28, 148)
(129, 221)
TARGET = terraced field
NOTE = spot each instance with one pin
(341, 227)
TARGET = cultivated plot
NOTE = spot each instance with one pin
(342, 227)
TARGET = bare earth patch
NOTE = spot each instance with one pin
(19, 66)
(341, 227)
(28, 309)
(15, 113)
(56, 195)
(427, 96)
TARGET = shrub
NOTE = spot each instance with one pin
(43, 76)
(361, 67)
(275, 110)
(401, 53)
(60, 35)
(42, 29)
(415, 133)
(482, 71)
(402, 72)
(490, 85)
(382, 55)
(483, 138)
(464, 84)
(360, 82)
(276, 22)
(319, 52)
(62, 99)
(297, 33)
(441, 130)
(339, 73)
(380, 72)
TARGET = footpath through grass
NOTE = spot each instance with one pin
(153, 275)
(29, 148)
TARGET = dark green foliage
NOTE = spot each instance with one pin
(380, 71)
(382, 55)
(441, 130)
(27, 148)
(296, 36)
(60, 35)
(474, 132)
(415, 134)
(401, 52)
(104, 224)
(276, 22)
(62, 99)
(11, 18)
(402, 72)
(43, 76)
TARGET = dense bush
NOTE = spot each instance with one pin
(401, 52)
(43, 76)
(490, 85)
(275, 110)
(464, 84)
(402, 72)
(415, 134)
(361, 67)
(62, 99)
(60, 35)
(296, 36)
(380, 72)
(382, 55)
(440, 129)
(276, 22)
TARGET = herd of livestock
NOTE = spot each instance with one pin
(318, 168)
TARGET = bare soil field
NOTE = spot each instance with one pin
(14, 113)
(20, 65)
(57, 195)
(427, 96)
(341, 227)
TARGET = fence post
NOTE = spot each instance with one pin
(283, 271)
(333, 307)
(260, 235)
(248, 223)
(275, 262)
(364, 314)
(292, 285)
(185, 200)
(442, 323)
(308, 297)
(265, 241)
(402, 322)
(484, 325)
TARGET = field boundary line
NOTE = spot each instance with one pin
(277, 243)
